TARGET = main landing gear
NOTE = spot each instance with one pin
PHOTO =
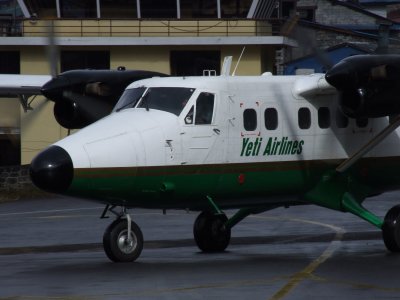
(211, 233)
(391, 229)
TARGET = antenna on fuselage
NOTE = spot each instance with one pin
(226, 66)
(237, 64)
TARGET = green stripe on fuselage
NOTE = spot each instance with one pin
(231, 185)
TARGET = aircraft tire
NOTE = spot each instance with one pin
(115, 243)
(210, 233)
(391, 229)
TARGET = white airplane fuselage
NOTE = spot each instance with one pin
(269, 139)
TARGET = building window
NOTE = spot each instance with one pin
(194, 63)
(78, 8)
(10, 149)
(341, 120)
(271, 118)
(250, 119)
(72, 60)
(235, 9)
(304, 118)
(199, 9)
(288, 8)
(307, 13)
(324, 117)
(10, 62)
(158, 9)
(118, 9)
(10, 138)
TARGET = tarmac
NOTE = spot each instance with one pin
(52, 249)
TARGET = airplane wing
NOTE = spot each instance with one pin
(313, 85)
(16, 85)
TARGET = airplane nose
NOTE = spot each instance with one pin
(52, 170)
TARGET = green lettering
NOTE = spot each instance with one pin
(300, 147)
(283, 144)
(288, 147)
(278, 143)
(267, 150)
(258, 146)
(244, 144)
(294, 149)
(249, 148)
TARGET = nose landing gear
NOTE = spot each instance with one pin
(123, 239)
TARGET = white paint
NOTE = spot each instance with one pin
(22, 84)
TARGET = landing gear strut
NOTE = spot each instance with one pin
(391, 229)
(210, 232)
(123, 239)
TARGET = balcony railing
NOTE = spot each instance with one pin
(144, 28)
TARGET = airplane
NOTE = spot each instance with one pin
(251, 143)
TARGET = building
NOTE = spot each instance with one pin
(311, 64)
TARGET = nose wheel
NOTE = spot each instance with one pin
(123, 241)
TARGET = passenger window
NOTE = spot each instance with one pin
(362, 122)
(204, 108)
(271, 118)
(304, 118)
(250, 119)
(324, 117)
(341, 120)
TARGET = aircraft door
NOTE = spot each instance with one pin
(203, 132)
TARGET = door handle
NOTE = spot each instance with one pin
(217, 131)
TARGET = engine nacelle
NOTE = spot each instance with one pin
(368, 85)
(69, 115)
(370, 103)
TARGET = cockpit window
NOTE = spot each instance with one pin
(170, 99)
(129, 98)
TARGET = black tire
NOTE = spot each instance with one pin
(391, 229)
(116, 245)
(210, 232)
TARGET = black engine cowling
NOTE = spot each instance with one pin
(368, 85)
(84, 96)
(70, 114)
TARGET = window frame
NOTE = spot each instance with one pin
(276, 116)
(256, 119)
(303, 108)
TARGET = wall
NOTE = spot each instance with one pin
(329, 14)
(15, 183)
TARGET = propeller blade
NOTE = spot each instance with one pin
(52, 50)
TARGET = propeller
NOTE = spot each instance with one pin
(52, 50)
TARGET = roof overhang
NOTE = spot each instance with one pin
(150, 41)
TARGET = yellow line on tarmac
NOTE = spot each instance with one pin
(308, 270)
